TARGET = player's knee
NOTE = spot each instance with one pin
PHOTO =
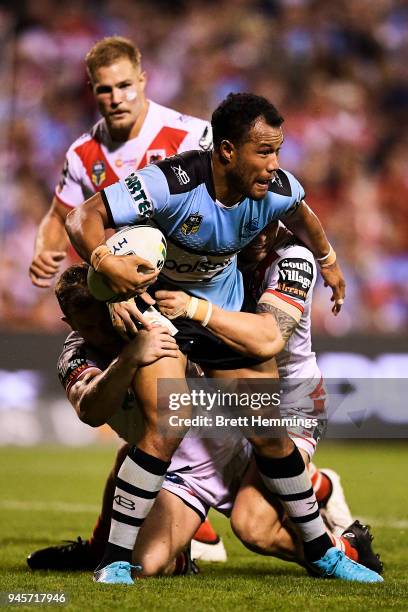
(158, 446)
(156, 564)
(254, 533)
(272, 447)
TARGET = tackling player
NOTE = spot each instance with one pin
(133, 132)
(96, 387)
(209, 205)
(280, 273)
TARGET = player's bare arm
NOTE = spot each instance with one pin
(286, 323)
(51, 245)
(97, 395)
(307, 227)
(85, 226)
(255, 335)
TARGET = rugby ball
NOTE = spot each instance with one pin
(142, 240)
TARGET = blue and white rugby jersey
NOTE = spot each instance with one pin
(204, 236)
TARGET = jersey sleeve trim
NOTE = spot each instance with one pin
(77, 374)
(285, 298)
(67, 204)
(107, 208)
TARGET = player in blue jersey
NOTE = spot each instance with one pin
(209, 205)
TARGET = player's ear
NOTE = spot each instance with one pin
(142, 80)
(227, 150)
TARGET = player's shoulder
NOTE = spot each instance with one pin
(73, 357)
(96, 134)
(285, 184)
(176, 118)
(199, 129)
(184, 172)
(76, 357)
(289, 246)
(292, 271)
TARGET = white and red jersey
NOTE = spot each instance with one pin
(94, 161)
(288, 274)
(285, 278)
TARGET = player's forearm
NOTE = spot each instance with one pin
(86, 225)
(255, 335)
(104, 394)
(51, 235)
(307, 227)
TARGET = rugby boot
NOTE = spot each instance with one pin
(119, 572)
(75, 555)
(335, 564)
(360, 538)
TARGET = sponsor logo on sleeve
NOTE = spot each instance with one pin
(192, 224)
(295, 277)
(144, 206)
(181, 175)
(98, 174)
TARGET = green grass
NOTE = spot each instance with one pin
(70, 482)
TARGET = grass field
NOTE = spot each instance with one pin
(52, 494)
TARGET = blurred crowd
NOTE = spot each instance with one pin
(337, 71)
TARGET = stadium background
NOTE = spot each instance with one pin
(339, 74)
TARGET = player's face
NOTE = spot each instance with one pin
(119, 93)
(261, 245)
(255, 162)
(94, 325)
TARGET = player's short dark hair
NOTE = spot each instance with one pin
(110, 49)
(235, 116)
(72, 290)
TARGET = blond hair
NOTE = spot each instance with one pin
(108, 50)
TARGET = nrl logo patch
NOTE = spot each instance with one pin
(191, 225)
(98, 173)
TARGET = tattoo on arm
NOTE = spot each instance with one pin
(286, 323)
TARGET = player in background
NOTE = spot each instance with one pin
(203, 473)
(133, 132)
(209, 205)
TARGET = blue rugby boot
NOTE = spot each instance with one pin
(335, 564)
(119, 572)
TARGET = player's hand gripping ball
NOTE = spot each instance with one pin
(142, 240)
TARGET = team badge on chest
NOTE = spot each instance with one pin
(98, 173)
(191, 225)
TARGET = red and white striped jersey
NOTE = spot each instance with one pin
(94, 161)
(288, 274)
